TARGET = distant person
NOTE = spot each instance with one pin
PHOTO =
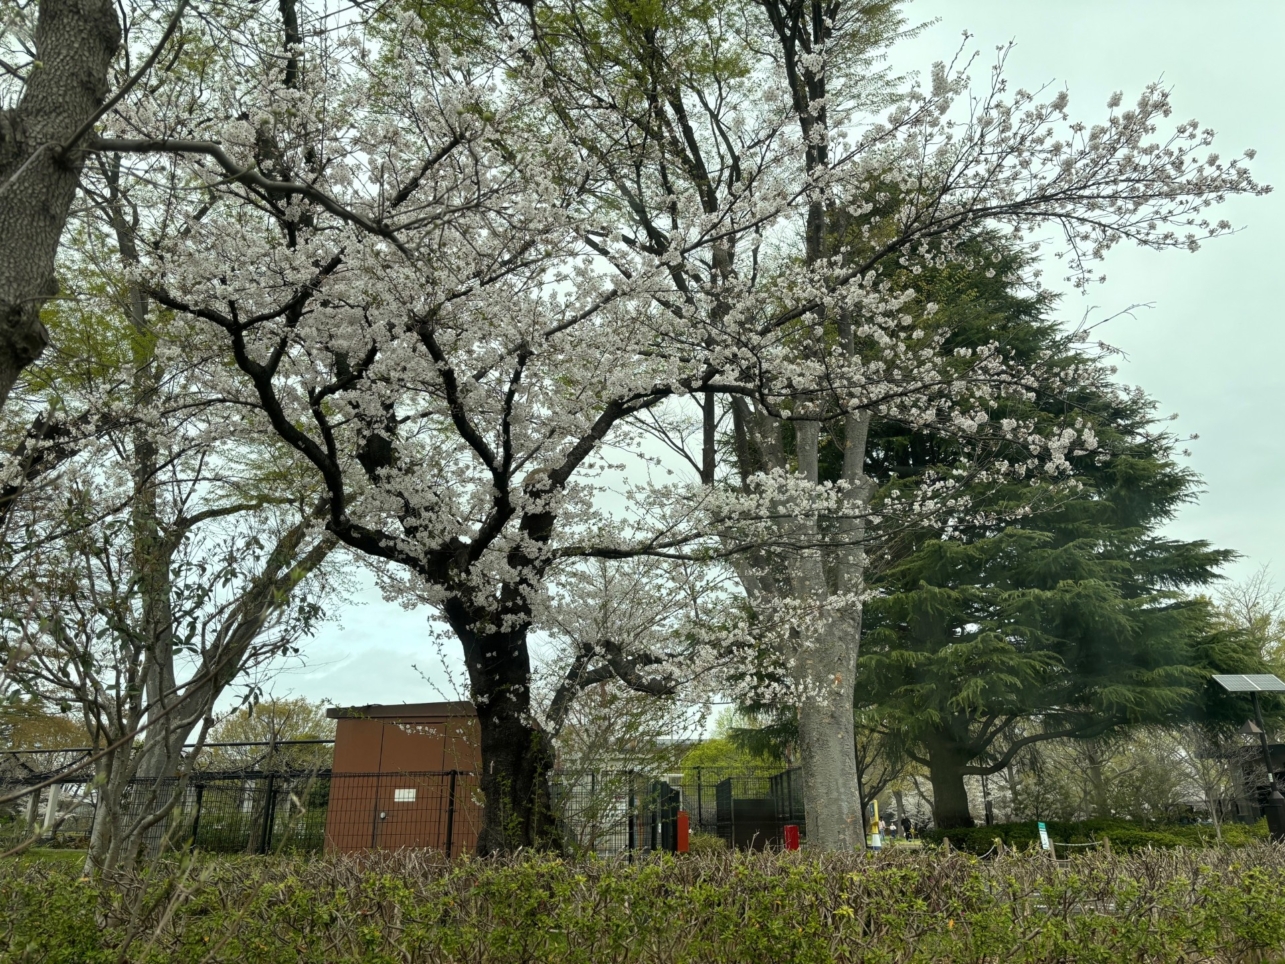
(906, 827)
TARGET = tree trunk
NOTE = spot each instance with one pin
(1011, 773)
(75, 43)
(517, 759)
(898, 796)
(835, 820)
(517, 756)
(946, 762)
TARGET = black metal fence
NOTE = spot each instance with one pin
(223, 813)
(603, 811)
(611, 811)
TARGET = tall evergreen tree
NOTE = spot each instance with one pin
(1070, 615)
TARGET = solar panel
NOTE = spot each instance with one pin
(1251, 683)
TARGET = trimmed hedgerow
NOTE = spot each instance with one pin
(1160, 906)
(1124, 835)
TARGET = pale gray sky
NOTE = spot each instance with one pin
(1211, 348)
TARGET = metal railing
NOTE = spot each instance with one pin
(613, 811)
(601, 811)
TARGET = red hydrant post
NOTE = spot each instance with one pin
(682, 831)
(791, 836)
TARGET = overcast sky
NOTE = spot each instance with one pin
(1211, 346)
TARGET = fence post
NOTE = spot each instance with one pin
(700, 810)
(450, 814)
(632, 804)
(265, 840)
(196, 820)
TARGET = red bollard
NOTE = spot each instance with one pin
(682, 832)
(791, 836)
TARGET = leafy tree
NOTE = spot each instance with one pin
(642, 88)
(738, 742)
(1255, 607)
(28, 722)
(1069, 619)
(162, 552)
(269, 723)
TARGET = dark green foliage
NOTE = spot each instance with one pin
(1063, 611)
(1156, 906)
(1124, 835)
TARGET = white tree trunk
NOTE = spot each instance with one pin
(826, 673)
(51, 809)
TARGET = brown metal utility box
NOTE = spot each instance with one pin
(405, 776)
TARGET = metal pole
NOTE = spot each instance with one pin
(450, 814)
(265, 840)
(1274, 810)
(1262, 738)
(631, 815)
(731, 803)
(196, 820)
(700, 812)
(594, 808)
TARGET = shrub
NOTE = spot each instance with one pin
(724, 908)
(705, 843)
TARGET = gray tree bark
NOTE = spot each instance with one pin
(75, 42)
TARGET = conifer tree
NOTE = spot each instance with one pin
(1070, 618)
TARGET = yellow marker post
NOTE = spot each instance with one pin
(876, 838)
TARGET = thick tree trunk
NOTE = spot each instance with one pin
(75, 43)
(824, 655)
(946, 762)
(517, 756)
(516, 761)
(825, 665)
(835, 821)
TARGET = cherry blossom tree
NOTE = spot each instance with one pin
(422, 327)
(698, 117)
(458, 266)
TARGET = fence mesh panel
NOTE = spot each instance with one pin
(602, 811)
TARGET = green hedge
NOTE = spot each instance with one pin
(1125, 835)
(927, 906)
